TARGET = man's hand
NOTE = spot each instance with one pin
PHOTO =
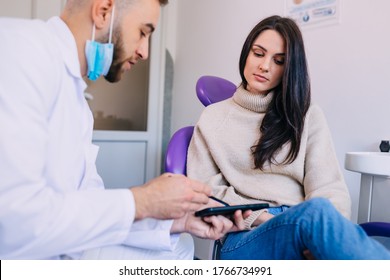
(169, 196)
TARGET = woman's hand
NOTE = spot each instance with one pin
(308, 255)
(265, 216)
(211, 227)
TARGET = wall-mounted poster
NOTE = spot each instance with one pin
(313, 12)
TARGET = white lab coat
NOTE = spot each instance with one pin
(52, 201)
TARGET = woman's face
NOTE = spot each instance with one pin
(265, 62)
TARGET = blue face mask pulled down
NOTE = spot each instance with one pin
(99, 58)
(99, 55)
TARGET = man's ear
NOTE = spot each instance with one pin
(102, 12)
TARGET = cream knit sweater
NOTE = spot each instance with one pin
(220, 155)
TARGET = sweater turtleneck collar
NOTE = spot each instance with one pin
(252, 101)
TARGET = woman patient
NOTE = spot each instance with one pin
(269, 143)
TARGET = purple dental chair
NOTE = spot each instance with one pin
(209, 89)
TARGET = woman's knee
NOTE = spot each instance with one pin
(321, 205)
(317, 204)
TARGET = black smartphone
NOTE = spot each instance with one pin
(229, 210)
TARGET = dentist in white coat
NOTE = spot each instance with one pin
(53, 204)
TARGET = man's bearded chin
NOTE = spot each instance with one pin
(114, 73)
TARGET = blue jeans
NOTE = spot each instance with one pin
(314, 225)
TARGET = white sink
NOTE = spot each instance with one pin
(375, 163)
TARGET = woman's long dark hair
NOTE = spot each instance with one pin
(284, 120)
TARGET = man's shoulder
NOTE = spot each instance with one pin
(22, 26)
(25, 33)
(30, 55)
(28, 38)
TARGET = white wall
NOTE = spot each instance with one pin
(348, 63)
(42, 9)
